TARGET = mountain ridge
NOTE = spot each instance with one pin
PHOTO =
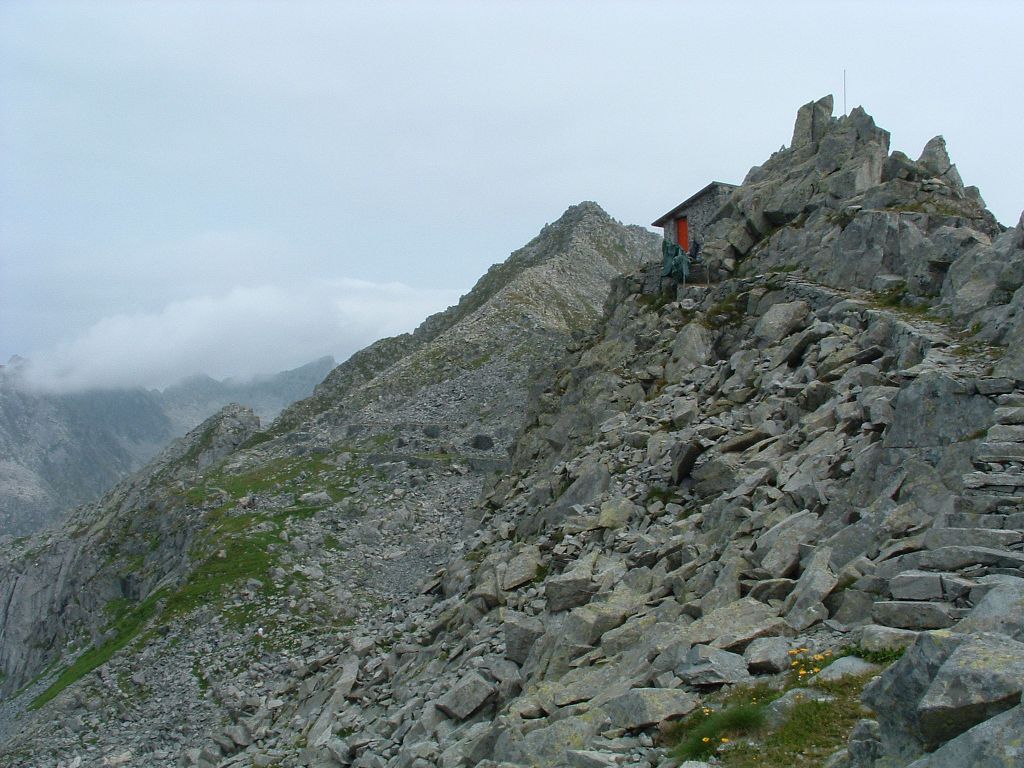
(793, 492)
(62, 450)
(553, 238)
(178, 534)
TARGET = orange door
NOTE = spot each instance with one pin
(683, 233)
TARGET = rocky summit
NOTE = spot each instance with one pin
(771, 519)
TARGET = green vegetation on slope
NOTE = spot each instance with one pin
(231, 546)
(122, 631)
(737, 730)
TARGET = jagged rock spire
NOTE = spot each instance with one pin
(812, 121)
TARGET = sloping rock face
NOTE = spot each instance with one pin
(826, 456)
(349, 499)
(467, 365)
(711, 478)
(56, 585)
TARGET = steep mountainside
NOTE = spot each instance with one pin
(519, 315)
(59, 451)
(368, 482)
(773, 520)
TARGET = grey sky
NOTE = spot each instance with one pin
(304, 177)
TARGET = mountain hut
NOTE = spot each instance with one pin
(689, 220)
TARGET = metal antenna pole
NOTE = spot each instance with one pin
(844, 92)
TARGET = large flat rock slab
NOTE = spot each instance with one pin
(733, 626)
(643, 707)
(982, 677)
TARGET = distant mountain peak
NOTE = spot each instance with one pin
(551, 286)
(583, 208)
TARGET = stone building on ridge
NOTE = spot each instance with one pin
(689, 220)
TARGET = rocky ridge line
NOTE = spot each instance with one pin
(716, 478)
(710, 483)
(377, 468)
(623, 606)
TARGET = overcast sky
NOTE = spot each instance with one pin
(241, 187)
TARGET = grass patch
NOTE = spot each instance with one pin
(479, 361)
(842, 218)
(285, 475)
(812, 732)
(200, 445)
(922, 309)
(706, 730)
(196, 494)
(932, 206)
(899, 299)
(125, 629)
(200, 675)
(728, 312)
(687, 511)
(431, 457)
(664, 495)
(257, 439)
(735, 728)
(891, 297)
(249, 556)
(274, 474)
(332, 543)
(967, 346)
(655, 302)
(117, 608)
(884, 658)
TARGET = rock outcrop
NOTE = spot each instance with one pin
(713, 487)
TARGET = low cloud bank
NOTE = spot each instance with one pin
(240, 334)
